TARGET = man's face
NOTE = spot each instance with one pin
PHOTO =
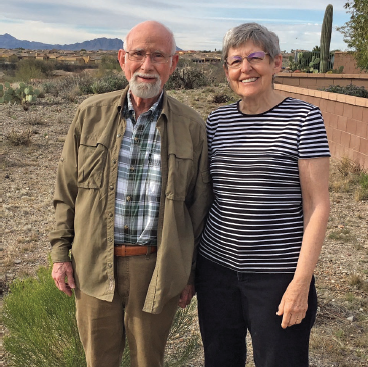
(147, 78)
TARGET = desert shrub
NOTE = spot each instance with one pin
(42, 330)
(49, 87)
(71, 86)
(35, 119)
(361, 193)
(109, 63)
(189, 77)
(32, 69)
(74, 68)
(351, 90)
(348, 176)
(68, 85)
(220, 98)
(109, 83)
(19, 138)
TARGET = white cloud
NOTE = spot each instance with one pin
(196, 25)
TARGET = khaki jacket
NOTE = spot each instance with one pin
(85, 197)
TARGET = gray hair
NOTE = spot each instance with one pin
(255, 33)
(171, 34)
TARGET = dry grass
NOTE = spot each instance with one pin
(349, 177)
(17, 138)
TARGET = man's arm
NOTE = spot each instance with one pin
(66, 190)
(198, 210)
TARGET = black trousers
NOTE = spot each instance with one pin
(230, 303)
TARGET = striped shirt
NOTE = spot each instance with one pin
(139, 178)
(255, 223)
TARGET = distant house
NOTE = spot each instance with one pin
(9, 57)
(41, 56)
(27, 55)
(75, 60)
(207, 60)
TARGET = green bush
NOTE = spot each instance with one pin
(41, 330)
(28, 69)
(86, 84)
(109, 83)
(109, 63)
(351, 90)
(189, 77)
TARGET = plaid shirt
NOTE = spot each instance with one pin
(139, 178)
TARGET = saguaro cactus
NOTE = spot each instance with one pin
(326, 38)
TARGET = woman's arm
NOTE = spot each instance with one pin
(314, 175)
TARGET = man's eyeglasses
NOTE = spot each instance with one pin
(235, 62)
(156, 57)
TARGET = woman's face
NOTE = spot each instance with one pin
(252, 79)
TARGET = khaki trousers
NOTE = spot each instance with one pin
(104, 325)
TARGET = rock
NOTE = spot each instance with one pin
(7, 176)
(350, 318)
(17, 262)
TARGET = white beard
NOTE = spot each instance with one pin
(145, 90)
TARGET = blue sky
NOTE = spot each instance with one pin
(197, 25)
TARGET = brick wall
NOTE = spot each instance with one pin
(346, 59)
(346, 120)
(316, 81)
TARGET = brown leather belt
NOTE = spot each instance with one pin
(134, 250)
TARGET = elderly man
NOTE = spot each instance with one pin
(132, 195)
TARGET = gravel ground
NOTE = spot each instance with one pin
(340, 335)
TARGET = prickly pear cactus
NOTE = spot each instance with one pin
(22, 94)
(326, 38)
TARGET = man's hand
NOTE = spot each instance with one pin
(186, 296)
(60, 271)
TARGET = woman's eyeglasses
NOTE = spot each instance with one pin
(235, 62)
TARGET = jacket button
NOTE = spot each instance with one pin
(111, 187)
(131, 168)
(126, 229)
(118, 136)
(128, 198)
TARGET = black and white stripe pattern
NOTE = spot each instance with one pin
(256, 221)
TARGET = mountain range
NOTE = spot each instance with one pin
(7, 41)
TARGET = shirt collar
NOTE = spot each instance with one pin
(128, 109)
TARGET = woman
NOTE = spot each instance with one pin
(269, 166)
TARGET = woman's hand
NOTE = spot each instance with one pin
(294, 304)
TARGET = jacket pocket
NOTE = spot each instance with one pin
(91, 164)
(180, 174)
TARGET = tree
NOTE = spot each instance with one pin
(355, 31)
